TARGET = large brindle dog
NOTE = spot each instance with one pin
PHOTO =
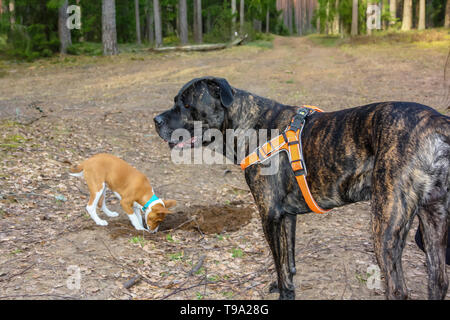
(395, 154)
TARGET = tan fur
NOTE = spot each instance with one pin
(131, 184)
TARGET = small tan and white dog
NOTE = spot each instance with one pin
(130, 186)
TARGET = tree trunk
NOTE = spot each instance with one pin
(421, 15)
(208, 26)
(241, 16)
(298, 16)
(1, 7)
(303, 15)
(182, 9)
(158, 28)
(138, 21)
(267, 19)
(12, 14)
(354, 30)
(64, 32)
(257, 25)
(150, 32)
(289, 12)
(233, 18)
(447, 15)
(336, 18)
(393, 11)
(309, 11)
(109, 33)
(407, 15)
(198, 31)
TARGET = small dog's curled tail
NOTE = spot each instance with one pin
(77, 170)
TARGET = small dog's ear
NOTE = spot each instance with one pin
(169, 203)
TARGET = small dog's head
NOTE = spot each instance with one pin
(203, 100)
(158, 213)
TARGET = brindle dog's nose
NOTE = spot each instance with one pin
(159, 121)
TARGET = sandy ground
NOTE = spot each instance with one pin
(55, 113)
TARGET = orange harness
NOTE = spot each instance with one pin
(289, 141)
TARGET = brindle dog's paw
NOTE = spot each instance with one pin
(287, 295)
(273, 288)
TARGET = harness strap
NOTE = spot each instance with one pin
(290, 141)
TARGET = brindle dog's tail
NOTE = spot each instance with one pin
(434, 204)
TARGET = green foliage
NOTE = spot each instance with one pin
(31, 42)
(86, 48)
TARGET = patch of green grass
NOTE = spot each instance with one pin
(16, 251)
(86, 48)
(176, 256)
(199, 296)
(169, 238)
(325, 40)
(138, 240)
(264, 44)
(237, 253)
(219, 237)
(200, 271)
(426, 38)
(12, 141)
(227, 294)
(213, 278)
(362, 278)
(290, 81)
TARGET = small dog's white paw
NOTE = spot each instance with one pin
(102, 222)
(112, 214)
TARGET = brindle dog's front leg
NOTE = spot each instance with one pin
(279, 229)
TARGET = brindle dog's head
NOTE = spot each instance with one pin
(202, 99)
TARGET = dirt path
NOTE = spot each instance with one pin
(82, 106)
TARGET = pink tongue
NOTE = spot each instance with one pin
(189, 142)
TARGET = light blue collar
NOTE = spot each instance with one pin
(149, 202)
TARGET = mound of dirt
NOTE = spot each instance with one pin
(218, 218)
(205, 219)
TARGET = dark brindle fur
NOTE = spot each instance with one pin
(395, 154)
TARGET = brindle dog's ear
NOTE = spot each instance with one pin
(225, 92)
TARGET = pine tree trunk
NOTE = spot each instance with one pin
(182, 7)
(241, 16)
(354, 30)
(109, 33)
(208, 26)
(336, 18)
(12, 14)
(267, 19)
(138, 21)
(233, 18)
(303, 16)
(297, 16)
(198, 31)
(64, 32)
(447, 15)
(1, 7)
(150, 32)
(407, 15)
(158, 28)
(393, 11)
(289, 12)
(421, 15)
